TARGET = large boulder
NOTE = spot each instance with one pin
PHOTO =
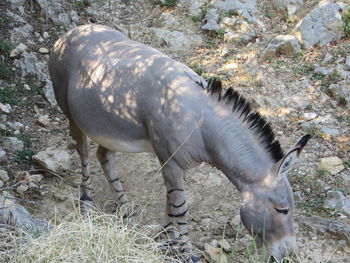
(321, 26)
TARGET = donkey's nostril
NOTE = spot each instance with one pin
(282, 210)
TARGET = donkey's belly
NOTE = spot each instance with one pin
(119, 145)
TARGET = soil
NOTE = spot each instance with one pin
(214, 202)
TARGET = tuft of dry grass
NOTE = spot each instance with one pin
(96, 237)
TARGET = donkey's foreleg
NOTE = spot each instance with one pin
(107, 160)
(83, 149)
(177, 206)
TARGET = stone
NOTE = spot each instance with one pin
(330, 131)
(44, 120)
(17, 126)
(322, 225)
(20, 34)
(347, 62)
(30, 65)
(176, 40)
(64, 18)
(168, 20)
(240, 31)
(286, 45)
(44, 50)
(22, 189)
(193, 6)
(18, 50)
(33, 185)
(46, 35)
(16, 215)
(4, 176)
(3, 156)
(341, 92)
(308, 116)
(49, 92)
(5, 108)
(36, 178)
(225, 245)
(56, 160)
(287, 6)
(16, 17)
(59, 196)
(74, 17)
(214, 254)
(321, 26)
(15, 4)
(212, 17)
(332, 164)
(1, 184)
(337, 201)
(49, 9)
(23, 177)
(12, 144)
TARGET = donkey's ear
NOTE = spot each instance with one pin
(286, 163)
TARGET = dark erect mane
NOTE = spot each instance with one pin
(254, 121)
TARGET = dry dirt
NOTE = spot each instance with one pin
(214, 202)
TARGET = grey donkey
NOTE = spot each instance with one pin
(128, 97)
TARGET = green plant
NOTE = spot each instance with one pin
(229, 13)
(221, 32)
(25, 156)
(198, 69)
(346, 24)
(169, 3)
(5, 48)
(306, 69)
(5, 71)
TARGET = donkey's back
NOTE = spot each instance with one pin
(119, 92)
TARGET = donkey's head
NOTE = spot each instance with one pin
(267, 211)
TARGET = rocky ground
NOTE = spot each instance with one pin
(290, 58)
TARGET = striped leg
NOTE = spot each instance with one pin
(177, 207)
(107, 160)
(83, 149)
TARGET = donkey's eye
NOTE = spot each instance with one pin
(282, 210)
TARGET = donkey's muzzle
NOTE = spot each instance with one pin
(282, 248)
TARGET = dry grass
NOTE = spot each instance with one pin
(96, 237)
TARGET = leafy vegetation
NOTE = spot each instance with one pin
(229, 13)
(5, 71)
(5, 48)
(15, 95)
(169, 3)
(346, 25)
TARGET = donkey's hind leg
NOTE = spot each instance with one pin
(107, 160)
(83, 149)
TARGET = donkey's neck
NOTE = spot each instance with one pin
(234, 149)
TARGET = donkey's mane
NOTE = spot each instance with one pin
(253, 120)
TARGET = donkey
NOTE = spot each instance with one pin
(128, 97)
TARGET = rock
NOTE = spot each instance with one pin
(321, 26)
(32, 185)
(74, 16)
(12, 144)
(18, 50)
(330, 131)
(347, 62)
(287, 45)
(3, 156)
(4, 176)
(341, 92)
(214, 254)
(23, 177)
(16, 215)
(16, 17)
(193, 6)
(308, 116)
(175, 40)
(50, 9)
(1, 184)
(240, 31)
(287, 6)
(22, 189)
(332, 164)
(59, 196)
(29, 64)
(246, 7)
(225, 245)
(44, 120)
(49, 92)
(17, 126)
(20, 34)
(168, 20)
(5, 108)
(44, 50)
(46, 35)
(17, 5)
(336, 200)
(323, 225)
(36, 178)
(55, 160)
(212, 17)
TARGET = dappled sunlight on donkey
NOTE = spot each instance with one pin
(128, 97)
